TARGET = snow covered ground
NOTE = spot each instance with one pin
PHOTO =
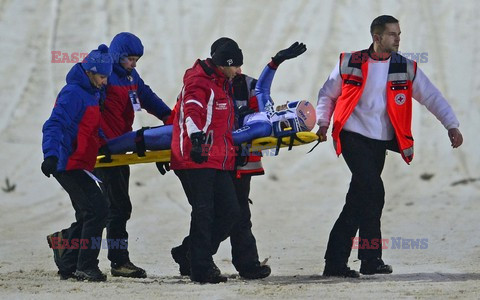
(295, 204)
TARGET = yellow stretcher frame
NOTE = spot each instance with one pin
(264, 143)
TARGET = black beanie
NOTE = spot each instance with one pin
(218, 43)
(225, 52)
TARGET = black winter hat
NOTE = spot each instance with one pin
(225, 52)
(218, 43)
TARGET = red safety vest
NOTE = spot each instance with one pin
(401, 73)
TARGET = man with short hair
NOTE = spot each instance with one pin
(126, 93)
(369, 93)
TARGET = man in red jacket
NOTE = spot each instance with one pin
(203, 155)
(244, 246)
(126, 93)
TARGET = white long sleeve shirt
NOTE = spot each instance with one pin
(370, 117)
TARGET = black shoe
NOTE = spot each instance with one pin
(339, 270)
(181, 258)
(256, 271)
(212, 275)
(375, 266)
(64, 275)
(93, 274)
(128, 269)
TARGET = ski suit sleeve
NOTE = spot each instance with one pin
(262, 90)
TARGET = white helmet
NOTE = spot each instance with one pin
(293, 117)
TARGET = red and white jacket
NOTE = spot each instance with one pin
(205, 104)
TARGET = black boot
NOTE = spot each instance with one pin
(93, 274)
(64, 275)
(211, 275)
(180, 256)
(256, 271)
(375, 266)
(339, 270)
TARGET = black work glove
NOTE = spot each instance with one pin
(243, 111)
(163, 167)
(198, 144)
(49, 165)
(293, 51)
(242, 154)
(104, 150)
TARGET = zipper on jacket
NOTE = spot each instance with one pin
(228, 124)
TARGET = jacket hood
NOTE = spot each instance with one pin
(125, 44)
(77, 76)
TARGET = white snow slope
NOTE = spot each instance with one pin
(297, 202)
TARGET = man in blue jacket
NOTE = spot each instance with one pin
(70, 145)
(126, 93)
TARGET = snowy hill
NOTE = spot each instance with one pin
(298, 200)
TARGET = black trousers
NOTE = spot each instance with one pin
(362, 211)
(214, 212)
(115, 183)
(90, 214)
(244, 245)
(242, 240)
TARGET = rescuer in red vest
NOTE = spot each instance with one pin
(369, 93)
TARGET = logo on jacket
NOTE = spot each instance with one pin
(221, 106)
(400, 99)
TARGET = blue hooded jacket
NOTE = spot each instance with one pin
(126, 88)
(71, 132)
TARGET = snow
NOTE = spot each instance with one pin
(297, 202)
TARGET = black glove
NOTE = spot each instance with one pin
(243, 111)
(242, 154)
(49, 165)
(198, 144)
(293, 51)
(163, 167)
(104, 150)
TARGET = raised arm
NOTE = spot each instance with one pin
(264, 83)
